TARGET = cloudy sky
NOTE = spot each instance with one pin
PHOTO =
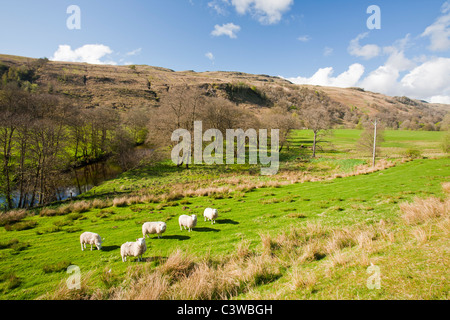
(314, 42)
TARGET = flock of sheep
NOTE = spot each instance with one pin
(138, 248)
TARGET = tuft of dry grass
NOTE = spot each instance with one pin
(81, 206)
(446, 187)
(150, 286)
(178, 265)
(301, 279)
(420, 234)
(422, 210)
(12, 216)
(48, 212)
(101, 204)
(120, 202)
(339, 240)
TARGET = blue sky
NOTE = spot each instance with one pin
(314, 42)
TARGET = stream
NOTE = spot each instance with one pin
(80, 180)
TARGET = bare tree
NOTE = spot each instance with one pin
(317, 119)
(279, 118)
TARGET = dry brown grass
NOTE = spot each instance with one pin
(48, 212)
(12, 216)
(420, 234)
(81, 206)
(446, 187)
(150, 286)
(62, 292)
(101, 204)
(120, 202)
(300, 279)
(339, 240)
(422, 210)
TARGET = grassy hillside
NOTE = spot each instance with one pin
(310, 239)
(123, 87)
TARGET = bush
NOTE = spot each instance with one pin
(12, 279)
(14, 244)
(412, 153)
(56, 267)
(21, 226)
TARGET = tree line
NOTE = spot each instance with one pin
(43, 137)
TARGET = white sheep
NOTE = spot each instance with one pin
(188, 222)
(90, 238)
(153, 227)
(211, 214)
(135, 249)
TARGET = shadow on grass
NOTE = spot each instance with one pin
(226, 221)
(110, 248)
(203, 229)
(176, 237)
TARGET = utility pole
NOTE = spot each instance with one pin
(374, 142)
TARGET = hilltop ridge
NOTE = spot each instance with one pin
(143, 85)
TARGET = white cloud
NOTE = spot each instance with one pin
(323, 77)
(219, 6)
(327, 51)
(210, 56)
(440, 99)
(383, 80)
(445, 7)
(134, 52)
(229, 29)
(428, 81)
(439, 31)
(266, 11)
(90, 53)
(368, 51)
(304, 38)
(431, 78)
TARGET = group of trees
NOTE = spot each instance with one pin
(183, 105)
(43, 137)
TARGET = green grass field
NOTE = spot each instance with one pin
(33, 261)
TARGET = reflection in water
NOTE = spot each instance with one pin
(77, 181)
(89, 176)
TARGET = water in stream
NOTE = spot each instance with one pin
(80, 180)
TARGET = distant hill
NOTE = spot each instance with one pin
(140, 85)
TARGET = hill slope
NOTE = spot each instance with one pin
(142, 85)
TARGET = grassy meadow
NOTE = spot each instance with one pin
(310, 232)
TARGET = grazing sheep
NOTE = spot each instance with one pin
(211, 214)
(188, 222)
(135, 249)
(153, 227)
(90, 238)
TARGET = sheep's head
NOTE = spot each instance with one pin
(194, 217)
(215, 211)
(99, 242)
(162, 226)
(141, 241)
